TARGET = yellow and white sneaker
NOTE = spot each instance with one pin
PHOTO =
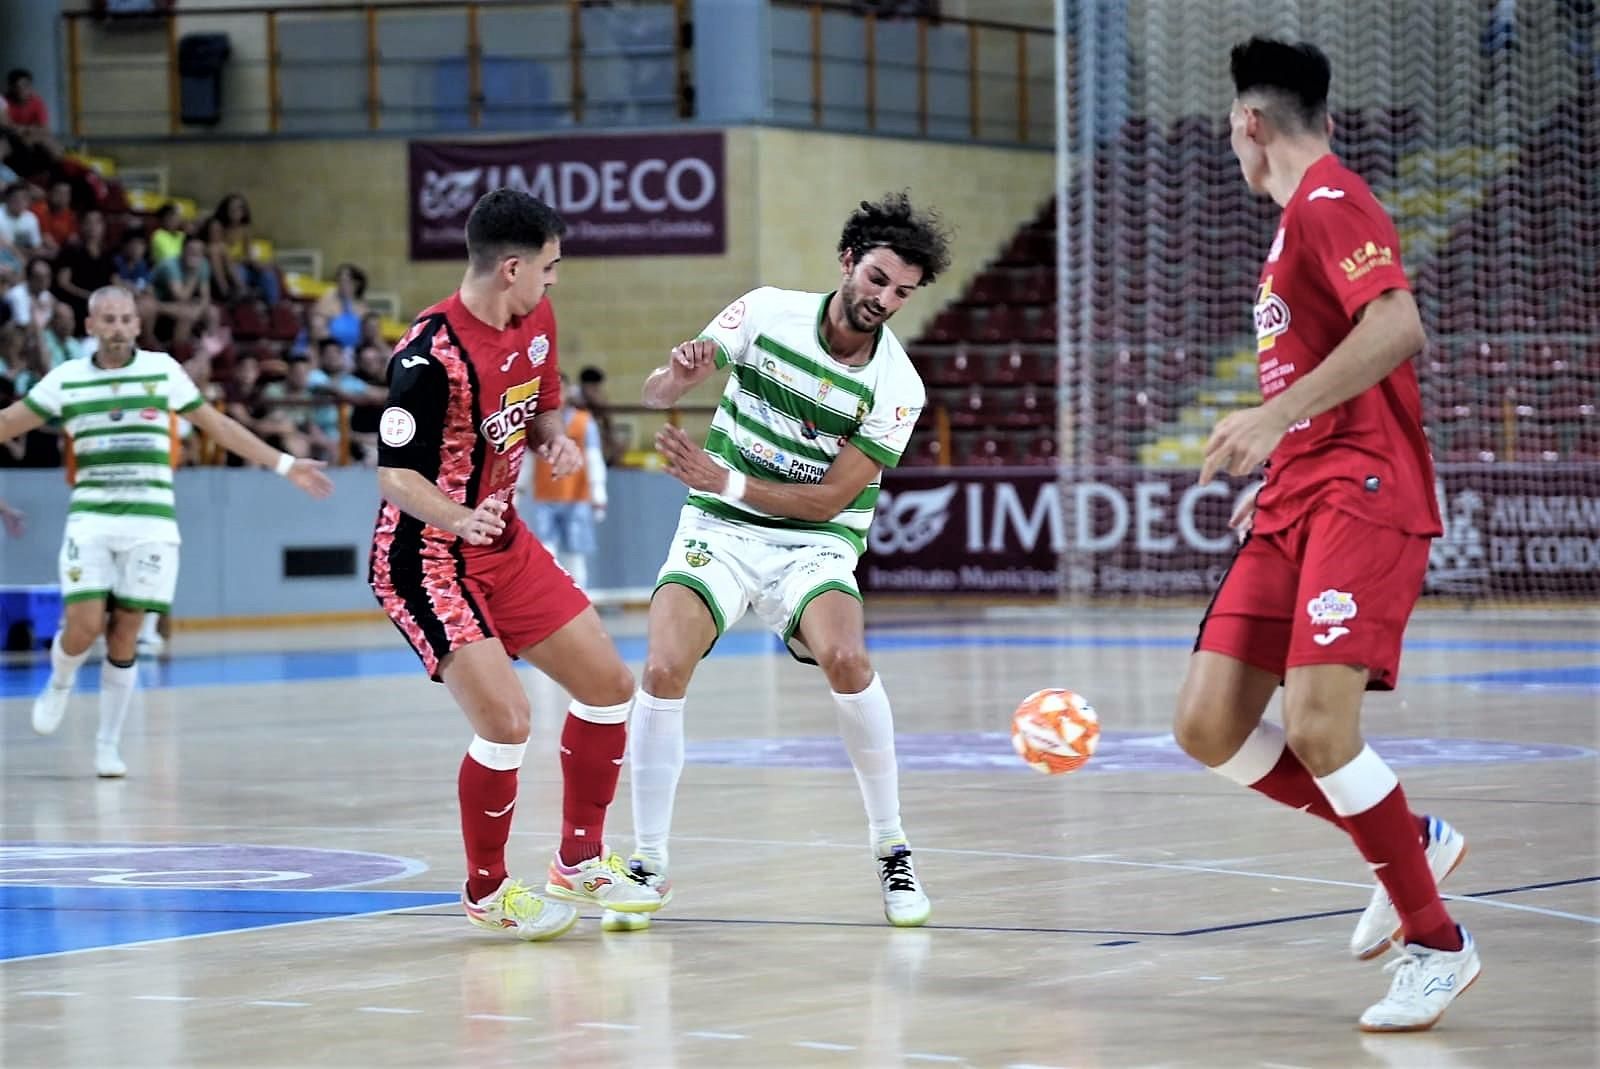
(517, 911)
(603, 881)
(654, 875)
(904, 902)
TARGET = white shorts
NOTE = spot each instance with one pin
(733, 569)
(138, 573)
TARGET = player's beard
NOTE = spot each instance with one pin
(856, 312)
(115, 350)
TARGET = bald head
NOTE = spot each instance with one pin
(114, 322)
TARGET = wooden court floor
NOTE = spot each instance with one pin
(272, 884)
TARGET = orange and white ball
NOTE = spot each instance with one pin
(1055, 731)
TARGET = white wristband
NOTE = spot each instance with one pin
(736, 484)
(285, 462)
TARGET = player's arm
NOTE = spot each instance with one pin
(410, 439)
(851, 472)
(723, 342)
(18, 418)
(232, 436)
(1387, 333)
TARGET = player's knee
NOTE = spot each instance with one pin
(666, 676)
(505, 720)
(847, 666)
(1202, 729)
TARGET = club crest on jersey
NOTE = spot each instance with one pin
(823, 388)
(509, 425)
(1272, 316)
(696, 553)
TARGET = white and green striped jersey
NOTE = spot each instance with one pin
(790, 408)
(121, 427)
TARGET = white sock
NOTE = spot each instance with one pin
(64, 665)
(148, 629)
(867, 727)
(1358, 785)
(655, 761)
(117, 685)
(1256, 756)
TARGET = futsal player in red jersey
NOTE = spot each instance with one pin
(472, 386)
(1337, 546)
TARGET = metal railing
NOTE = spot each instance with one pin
(399, 65)
(1002, 69)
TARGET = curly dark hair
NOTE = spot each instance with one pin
(918, 238)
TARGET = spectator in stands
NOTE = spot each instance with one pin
(308, 342)
(132, 261)
(58, 223)
(169, 236)
(565, 509)
(292, 411)
(225, 284)
(27, 125)
(31, 299)
(343, 305)
(215, 342)
(8, 177)
(59, 339)
(20, 358)
(592, 396)
(19, 227)
(334, 383)
(233, 213)
(183, 286)
(371, 334)
(149, 314)
(372, 370)
(85, 265)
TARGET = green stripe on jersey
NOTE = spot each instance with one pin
(876, 450)
(112, 404)
(124, 456)
(795, 405)
(160, 430)
(119, 381)
(783, 441)
(804, 363)
(118, 484)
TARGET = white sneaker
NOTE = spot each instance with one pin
(904, 902)
(150, 645)
(517, 911)
(654, 875)
(49, 707)
(107, 762)
(1380, 922)
(603, 881)
(1426, 981)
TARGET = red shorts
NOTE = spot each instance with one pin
(1328, 589)
(515, 592)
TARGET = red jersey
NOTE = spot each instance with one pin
(31, 113)
(461, 398)
(1336, 250)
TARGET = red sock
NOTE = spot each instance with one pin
(488, 797)
(1290, 783)
(1386, 835)
(591, 761)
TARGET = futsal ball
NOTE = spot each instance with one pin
(1055, 731)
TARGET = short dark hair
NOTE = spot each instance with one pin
(1296, 76)
(591, 374)
(506, 222)
(918, 238)
(16, 74)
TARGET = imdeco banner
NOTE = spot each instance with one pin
(621, 195)
(1510, 530)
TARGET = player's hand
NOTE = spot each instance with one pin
(309, 476)
(484, 524)
(688, 463)
(1244, 513)
(12, 520)
(1242, 441)
(693, 361)
(563, 456)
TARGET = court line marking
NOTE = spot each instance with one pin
(814, 1045)
(495, 1017)
(275, 1002)
(385, 1009)
(716, 1035)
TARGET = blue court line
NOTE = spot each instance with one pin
(52, 920)
(238, 669)
(1585, 677)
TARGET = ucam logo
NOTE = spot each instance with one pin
(509, 425)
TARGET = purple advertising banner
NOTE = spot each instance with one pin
(621, 195)
(1511, 530)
